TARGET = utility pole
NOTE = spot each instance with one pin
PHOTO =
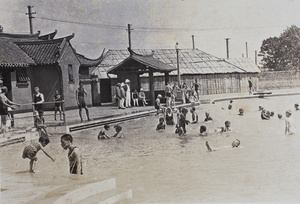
(193, 41)
(30, 17)
(255, 57)
(227, 47)
(246, 50)
(129, 29)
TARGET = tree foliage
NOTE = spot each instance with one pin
(283, 52)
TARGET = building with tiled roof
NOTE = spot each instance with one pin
(27, 61)
(215, 75)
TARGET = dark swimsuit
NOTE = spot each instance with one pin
(38, 107)
(73, 164)
(81, 102)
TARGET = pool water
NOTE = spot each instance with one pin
(162, 167)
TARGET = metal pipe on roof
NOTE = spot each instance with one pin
(227, 47)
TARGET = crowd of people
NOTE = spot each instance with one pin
(127, 97)
(188, 93)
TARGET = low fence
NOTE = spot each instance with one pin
(273, 80)
(26, 120)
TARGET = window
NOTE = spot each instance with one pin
(70, 71)
(84, 73)
(22, 77)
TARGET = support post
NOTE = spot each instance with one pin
(167, 77)
(151, 81)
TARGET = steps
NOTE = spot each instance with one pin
(103, 192)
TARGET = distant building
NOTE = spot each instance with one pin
(27, 61)
(216, 75)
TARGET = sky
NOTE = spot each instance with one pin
(156, 24)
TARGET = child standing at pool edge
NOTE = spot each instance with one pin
(74, 155)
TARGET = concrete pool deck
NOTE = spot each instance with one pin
(109, 113)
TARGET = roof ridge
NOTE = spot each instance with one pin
(69, 37)
(12, 35)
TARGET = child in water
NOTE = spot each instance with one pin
(203, 130)
(102, 134)
(157, 104)
(183, 122)
(226, 128)
(241, 111)
(296, 106)
(230, 105)
(265, 115)
(207, 117)
(161, 125)
(74, 155)
(194, 115)
(169, 117)
(31, 150)
(178, 130)
(290, 128)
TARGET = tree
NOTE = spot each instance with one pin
(283, 52)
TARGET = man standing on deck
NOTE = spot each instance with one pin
(80, 92)
(196, 87)
(168, 94)
(119, 96)
(250, 85)
(128, 94)
(123, 95)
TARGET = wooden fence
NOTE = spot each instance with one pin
(273, 80)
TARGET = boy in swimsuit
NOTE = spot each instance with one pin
(31, 150)
(38, 99)
(102, 134)
(74, 154)
(194, 115)
(80, 92)
(57, 106)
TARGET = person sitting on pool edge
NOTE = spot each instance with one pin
(290, 128)
(207, 117)
(74, 155)
(102, 134)
(31, 150)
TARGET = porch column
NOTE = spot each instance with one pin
(167, 77)
(151, 81)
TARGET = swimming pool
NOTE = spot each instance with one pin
(161, 167)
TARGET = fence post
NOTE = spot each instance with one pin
(64, 112)
(33, 112)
